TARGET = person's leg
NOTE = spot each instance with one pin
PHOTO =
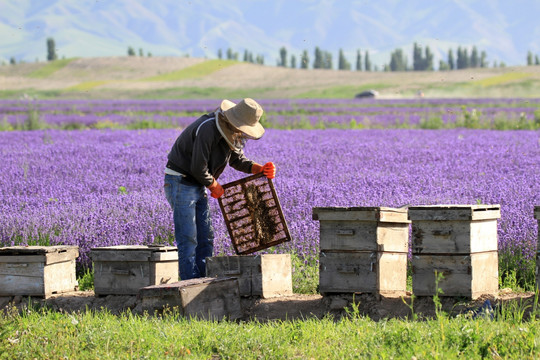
(183, 199)
(205, 233)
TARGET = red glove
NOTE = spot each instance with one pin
(269, 169)
(216, 190)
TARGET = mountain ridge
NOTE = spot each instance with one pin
(506, 31)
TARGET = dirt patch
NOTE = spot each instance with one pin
(293, 307)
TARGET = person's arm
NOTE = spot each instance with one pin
(202, 147)
(238, 161)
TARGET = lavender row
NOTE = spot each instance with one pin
(272, 105)
(100, 188)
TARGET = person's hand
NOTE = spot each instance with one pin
(216, 190)
(268, 169)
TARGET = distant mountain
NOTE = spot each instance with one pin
(506, 30)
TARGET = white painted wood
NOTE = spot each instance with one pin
(266, 275)
(380, 214)
(38, 270)
(373, 272)
(454, 236)
(454, 212)
(124, 270)
(463, 275)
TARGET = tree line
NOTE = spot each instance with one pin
(422, 59)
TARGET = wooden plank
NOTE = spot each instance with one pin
(62, 256)
(59, 278)
(393, 237)
(205, 298)
(163, 272)
(348, 235)
(454, 212)
(120, 277)
(392, 273)
(12, 259)
(34, 250)
(120, 255)
(164, 256)
(463, 275)
(276, 274)
(344, 214)
(454, 236)
(485, 274)
(213, 301)
(351, 272)
(266, 275)
(24, 279)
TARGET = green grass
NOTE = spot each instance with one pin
(195, 71)
(501, 79)
(50, 68)
(88, 85)
(341, 92)
(41, 333)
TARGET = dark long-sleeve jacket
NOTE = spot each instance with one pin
(201, 152)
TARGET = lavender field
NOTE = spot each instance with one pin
(30, 114)
(104, 187)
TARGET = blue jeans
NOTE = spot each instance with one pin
(192, 225)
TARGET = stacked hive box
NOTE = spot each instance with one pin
(123, 270)
(460, 243)
(267, 275)
(537, 216)
(363, 249)
(37, 270)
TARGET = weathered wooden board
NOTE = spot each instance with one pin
(363, 236)
(123, 270)
(363, 229)
(49, 271)
(463, 275)
(454, 236)
(379, 214)
(454, 212)
(372, 272)
(267, 275)
(203, 298)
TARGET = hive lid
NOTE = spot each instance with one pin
(454, 212)
(36, 250)
(152, 248)
(175, 287)
(361, 213)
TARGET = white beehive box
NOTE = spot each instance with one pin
(267, 275)
(469, 276)
(383, 273)
(461, 243)
(454, 229)
(203, 298)
(363, 249)
(362, 228)
(37, 270)
(123, 270)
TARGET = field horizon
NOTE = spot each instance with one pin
(127, 77)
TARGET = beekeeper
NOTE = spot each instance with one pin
(195, 162)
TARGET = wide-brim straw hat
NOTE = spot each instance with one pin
(244, 116)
